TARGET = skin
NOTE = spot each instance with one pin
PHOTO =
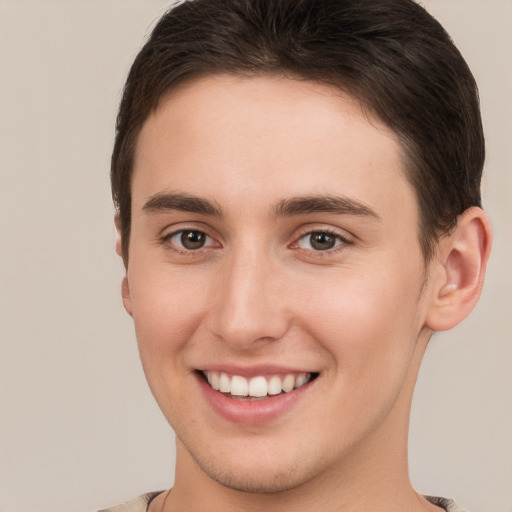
(258, 292)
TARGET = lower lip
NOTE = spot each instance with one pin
(251, 412)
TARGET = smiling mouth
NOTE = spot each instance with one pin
(258, 387)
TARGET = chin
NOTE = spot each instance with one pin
(260, 477)
(255, 483)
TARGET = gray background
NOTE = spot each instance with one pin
(78, 427)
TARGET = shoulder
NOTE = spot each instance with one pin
(445, 503)
(139, 504)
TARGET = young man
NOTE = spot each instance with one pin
(297, 185)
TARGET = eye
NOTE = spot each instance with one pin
(190, 239)
(320, 241)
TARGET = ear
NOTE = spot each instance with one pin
(458, 270)
(125, 286)
(119, 246)
(125, 294)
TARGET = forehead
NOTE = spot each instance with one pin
(263, 139)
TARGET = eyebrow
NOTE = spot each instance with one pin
(159, 203)
(323, 204)
(339, 205)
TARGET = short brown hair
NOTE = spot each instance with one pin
(389, 54)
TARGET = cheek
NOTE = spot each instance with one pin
(371, 340)
(166, 313)
(167, 308)
(369, 324)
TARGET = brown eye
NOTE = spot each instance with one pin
(319, 241)
(190, 239)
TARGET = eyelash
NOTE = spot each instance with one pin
(341, 242)
(167, 240)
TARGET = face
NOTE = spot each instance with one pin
(274, 251)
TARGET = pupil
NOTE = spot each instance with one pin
(322, 241)
(192, 239)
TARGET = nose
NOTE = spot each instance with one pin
(249, 304)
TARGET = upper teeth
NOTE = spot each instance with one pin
(257, 386)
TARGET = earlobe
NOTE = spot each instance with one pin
(461, 262)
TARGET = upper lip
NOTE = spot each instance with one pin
(254, 370)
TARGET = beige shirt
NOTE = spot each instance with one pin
(141, 504)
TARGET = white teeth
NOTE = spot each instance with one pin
(214, 380)
(274, 386)
(224, 383)
(257, 386)
(299, 381)
(239, 386)
(288, 383)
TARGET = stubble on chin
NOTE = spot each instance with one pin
(249, 480)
